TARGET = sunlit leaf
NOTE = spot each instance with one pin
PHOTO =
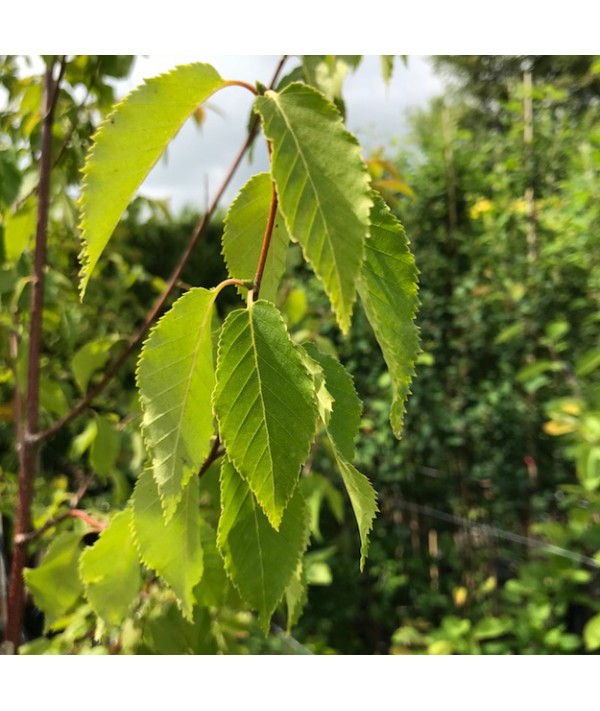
(128, 144)
(243, 234)
(173, 549)
(323, 187)
(259, 560)
(175, 378)
(388, 290)
(110, 571)
(265, 404)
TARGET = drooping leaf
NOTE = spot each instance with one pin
(388, 290)
(296, 596)
(363, 499)
(323, 187)
(175, 378)
(110, 571)
(387, 67)
(19, 230)
(91, 358)
(173, 550)
(345, 416)
(128, 144)
(243, 234)
(55, 584)
(259, 560)
(265, 404)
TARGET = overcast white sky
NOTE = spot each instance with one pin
(199, 158)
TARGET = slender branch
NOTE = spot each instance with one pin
(243, 84)
(53, 522)
(212, 456)
(265, 245)
(199, 231)
(27, 448)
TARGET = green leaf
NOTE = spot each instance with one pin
(170, 633)
(55, 584)
(591, 634)
(19, 230)
(105, 447)
(110, 570)
(173, 550)
(243, 234)
(265, 404)
(388, 290)
(259, 560)
(323, 187)
(90, 358)
(387, 67)
(345, 416)
(175, 378)
(212, 589)
(296, 596)
(128, 144)
(363, 499)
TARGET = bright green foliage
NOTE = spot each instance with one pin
(259, 560)
(323, 187)
(388, 290)
(317, 489)
(127, 146)
(591, 634)
(176, 378)
(265, 405)
(296, 596)
(19, 230)
(243, 234)
(105, 447)
(110, 570)
(173, 550)
(342, 426)
(55, 584)
(363, 499)
(344, 420)
(91, 358)
(212, 589)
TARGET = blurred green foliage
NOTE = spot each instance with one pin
(489, 538)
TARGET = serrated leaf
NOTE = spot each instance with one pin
(388, 290)
(175, 378)
(265, 404)
(323, 187)
(296, 596)
(259, 560)
(55, 584)
(110, 570)
(173, 550)
(363, 499)
(344, 421)
(128, 144)
(91, 358)
(243, 234)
